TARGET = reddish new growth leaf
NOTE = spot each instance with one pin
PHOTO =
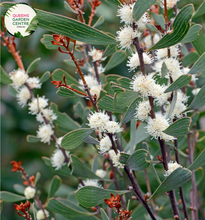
(23, 209)
(114, 202)
(31, 181)
(16, 166)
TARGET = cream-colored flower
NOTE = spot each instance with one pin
(126, 13)
(172, 166)
(40, 214)
(34, 82)
(44, 132)
(23, 96)
(90, 182)
(143, 110)
(29, 192)
(37, 104)
(101, 173)
(18, 77)
(105, 144)
(58, 159)
(115, 159)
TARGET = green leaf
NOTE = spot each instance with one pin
(45, 77)
(200, 11)
(33, 139)
(174, 100)
(63, 171)
(190, 58)
(38, 176)
(19, 188)
(177, 178)
(33, 65)
(198, 162)
(179, 83)
(100, 20)
(180, 29)
(46, 41)
(131, 111)
(57, 75)
(199, 43)
(89, 196)
(79, 109)
(107, 103)
(114, 2)
(194, 119)
(117, 58)
(110, 49)
(192, 34)
(103, 214)
(125, 82)
(151, 28)
(91, 140)
(74, 138)
(70, 213)
(137, 161)
(112, 78)
(63, 119)
(159, 19)
(4, 77)
(199, 66)
(164, 70)
(54, 186)
(179, 127)
(67, 7)
(10, 197)
(79, 169)
(13, 92)
(141, 7)
(199, 99)
(124, 157)
(72, 28)
(67, 93)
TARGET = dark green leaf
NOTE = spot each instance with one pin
(99, 21)
(54, 186)
(33, 65)
(125, 82)
(58, 75)
(190, 58)
(91, 140)
(179, 83)
(72, 214)
(72, 28)
(131, 111)
(194, 119)
(159, 19)
(200, 11)
(107, 103)
(199, 43)
(67, 93)
(141, 7)
(199, 99)
(89, 196)
(180, 29)
(137, 161)
(4, 77)
(124, 157)
(110, 49)
(103, 214)
(63, 171)
(179, 127)
(199, 66)
(74, 138)
(10, 197)
(79, 169)
(117, 58)
(177, 178)
(114, 2)
(112, 78)
(192, 34)
(33, 139)
(63, 119)
(45, 77)
(198, 162)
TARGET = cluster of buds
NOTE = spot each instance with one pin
(23, 209)
(114, 202)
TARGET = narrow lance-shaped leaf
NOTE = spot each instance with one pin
(199, 66)
(100, 20)
(179, 83)
(4, 77)
(74, 138)
(199, 44)
(198, 162)
(179, 127)
(54, 186)
(199, 99)
(180, 29)
(200, 11)
(137, 161)
(117, 58)
(10, 197)
(192, 34)
(45, 77)
(141, 7)
(110, 49)
(190, 58)
(174, 100)
(177, 178)
(164, 70)
(33, 65)
(89, 196)
(79, 169)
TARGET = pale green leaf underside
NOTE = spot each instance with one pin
(10, 197)
(192, 34)
(54, 186)
(199, 99)
(198, 162)
(4, 77)
(33, 65)
(199, 66)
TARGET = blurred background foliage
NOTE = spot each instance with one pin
(16, 123)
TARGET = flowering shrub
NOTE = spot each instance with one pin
(140, 126)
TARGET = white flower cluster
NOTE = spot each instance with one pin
(58, 159)
(90, 182)
(170, 3)
(92, 83)
(96, 55)
(29, 192)
(101, 173)
(100, 69)
(37, 106)
(171, 167)
(148, 40)
(40, 214)
(101, 121)
(115, 158)
(105, 144)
